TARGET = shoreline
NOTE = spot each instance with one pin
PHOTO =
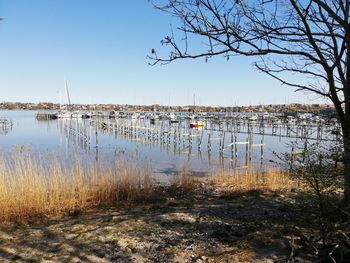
(199, 226)
(195, 226)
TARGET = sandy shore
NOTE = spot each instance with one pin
(196, 227)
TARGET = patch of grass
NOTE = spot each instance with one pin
(251, 182)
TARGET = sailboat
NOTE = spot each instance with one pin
(173, 118)
(196, 124)
(63, 112)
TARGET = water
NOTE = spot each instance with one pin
(61, 136)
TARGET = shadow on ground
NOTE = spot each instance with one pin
(196, 227)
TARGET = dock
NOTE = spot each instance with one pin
(234, 140)
(5, 126)
(44, 116)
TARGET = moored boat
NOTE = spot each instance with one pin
(64, 114)
(173, 118)
(76, 114)
(197, 124)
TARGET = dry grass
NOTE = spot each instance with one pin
(44, 186)
(270, 180)
(231, 181)
(31, 186)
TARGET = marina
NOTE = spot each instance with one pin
(168, 141)
(175, 131)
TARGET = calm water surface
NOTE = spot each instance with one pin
(58, 136)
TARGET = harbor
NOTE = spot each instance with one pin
(175, 131)
(167, 140)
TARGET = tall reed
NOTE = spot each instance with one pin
(272, 179)
(40, 185)
(37, 185)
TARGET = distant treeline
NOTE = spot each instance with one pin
(294, 107)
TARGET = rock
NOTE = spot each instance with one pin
(201, 259)
(115, 214)
(70, 236)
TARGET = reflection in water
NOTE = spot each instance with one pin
(224, 147)
(5, 126)
(165, 146)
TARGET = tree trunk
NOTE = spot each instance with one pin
(346, 162)
(345, 123)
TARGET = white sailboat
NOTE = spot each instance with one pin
(195, 123)
(64, 112)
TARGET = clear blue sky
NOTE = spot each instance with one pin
(101, 48)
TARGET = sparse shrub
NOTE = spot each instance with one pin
(316, 168)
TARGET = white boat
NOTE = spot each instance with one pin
(76, 114)
(253, 118)
(154, 117)
(266, 116)
(291, 120)
(135, 116)
(64, 114)
(172, 116)
(121, 114)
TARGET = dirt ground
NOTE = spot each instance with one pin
(195, 227)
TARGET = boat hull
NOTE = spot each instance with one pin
(196, 125)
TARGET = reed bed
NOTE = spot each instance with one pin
(44, 186)
(35, 185)
(272, 179)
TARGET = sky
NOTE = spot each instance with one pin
(101, 48)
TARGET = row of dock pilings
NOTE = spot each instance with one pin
(233, 145)
(221, 138)
(181, 138)
(5, 126)
(287, 130)
(77, 132)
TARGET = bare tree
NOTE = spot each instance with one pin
(308, 38)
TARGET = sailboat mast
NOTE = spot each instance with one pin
(194, 102)
(67, 92)
(60, 95)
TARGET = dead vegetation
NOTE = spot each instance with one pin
(38, 185)
(118, 213)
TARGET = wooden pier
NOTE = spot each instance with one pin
(311, 132)
(182, 140)
(234, 142)
(5, 126)
(44, 116)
